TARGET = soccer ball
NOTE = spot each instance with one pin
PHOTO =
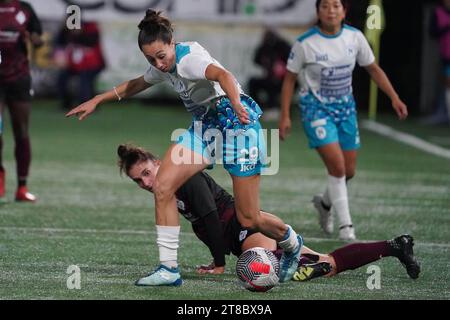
(257, 269)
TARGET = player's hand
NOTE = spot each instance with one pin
(83, 110)
(242, 114)
(284, 126)
(400, 108)
(210, 269)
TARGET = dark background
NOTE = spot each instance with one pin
(402, 55)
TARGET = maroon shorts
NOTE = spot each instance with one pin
(17, 90)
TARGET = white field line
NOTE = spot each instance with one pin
(150, 232)
(406, 139)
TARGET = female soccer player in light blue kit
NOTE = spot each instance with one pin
(218, 105)
(323, 60)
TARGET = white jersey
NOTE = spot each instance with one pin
(188, 78)
(325, 63)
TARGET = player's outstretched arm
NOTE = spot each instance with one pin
(124, 90)
(380, 78)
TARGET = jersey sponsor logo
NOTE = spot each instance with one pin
(7, 10)
(321, 133)
(318, 123)
(243, 235)
(336, 81)
(9, 36)
(247, 167)
(321, 57)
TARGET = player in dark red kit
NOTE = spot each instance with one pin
(18, 24)
(211, 211)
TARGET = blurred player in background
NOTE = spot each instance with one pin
(271, 55)
(323, 60)
(212, 213)
(440, 29)
(79, 54)
(18, 24)
(217, 102)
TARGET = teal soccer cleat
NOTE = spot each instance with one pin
(289, 261)
(162, 276)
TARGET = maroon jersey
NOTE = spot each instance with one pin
(17, 18)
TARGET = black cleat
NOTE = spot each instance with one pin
(310, 271)
(403, 245)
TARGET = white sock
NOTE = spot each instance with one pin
(167, 240)
(290, 242)
(337, 188)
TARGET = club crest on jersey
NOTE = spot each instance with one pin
(180, 205)
(243, 235)
(351, 51)
(321, 133)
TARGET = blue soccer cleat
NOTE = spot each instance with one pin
(289, 261)
(162, 276)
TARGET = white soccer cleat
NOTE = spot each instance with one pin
(162, 276)
(326, 219)
(347, 233)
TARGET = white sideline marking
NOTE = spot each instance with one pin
(143, 232)
(406, 139)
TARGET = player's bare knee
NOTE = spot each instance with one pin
(249, 224)
(337, 172)
(249, 221)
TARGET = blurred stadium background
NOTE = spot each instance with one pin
(88, 216)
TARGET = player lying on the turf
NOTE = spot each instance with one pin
(211, 211)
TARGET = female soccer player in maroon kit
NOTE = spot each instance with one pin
(18, 24)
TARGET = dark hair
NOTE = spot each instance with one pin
(154, 27)
(343, 2)
(129, 155)
(318, 2)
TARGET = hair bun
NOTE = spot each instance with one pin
(123, 151)
(151, 18)
(150, 13)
